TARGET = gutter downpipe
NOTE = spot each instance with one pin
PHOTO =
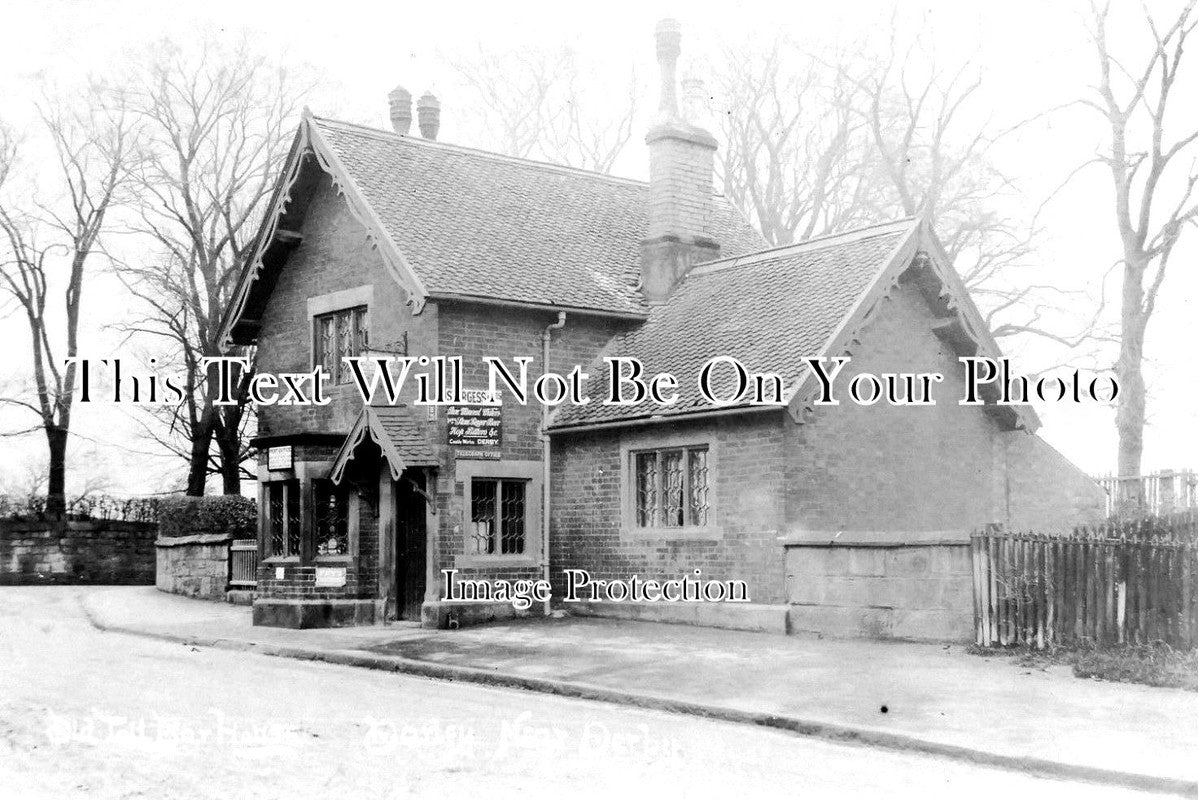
(546, 336)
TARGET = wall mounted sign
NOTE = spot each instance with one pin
(330, 576)
(279, 457)
(476, 430)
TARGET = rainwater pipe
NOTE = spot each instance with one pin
(546, 336)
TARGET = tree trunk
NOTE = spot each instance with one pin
(1130, 411)
(228, 431)
(229, 444)
(56, 498)
(197, 468)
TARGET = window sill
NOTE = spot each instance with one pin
(690, 533)
(467, 561)
(281, 560)
(345, 559)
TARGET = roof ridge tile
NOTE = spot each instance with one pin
(806, 246)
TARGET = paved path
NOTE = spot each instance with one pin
(104, 715)
(932, 693)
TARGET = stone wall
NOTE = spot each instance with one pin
(196, 566)
(917, 590)
(91, 552)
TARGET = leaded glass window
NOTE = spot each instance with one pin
(278, 530)
(342, 334)
(497, 514)
(511, 530)
(671, 487)
(696, 481)
(646, 489)
(330, 519)
(283, 517)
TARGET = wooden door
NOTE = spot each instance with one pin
(410, 533)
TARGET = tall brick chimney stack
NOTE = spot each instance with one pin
(681, 169)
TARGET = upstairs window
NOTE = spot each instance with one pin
(341, 334)
(330, 518)
(497, 514)
(672, 487)
(283, 517)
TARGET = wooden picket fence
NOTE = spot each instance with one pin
(1114, 584)
(1165, 492)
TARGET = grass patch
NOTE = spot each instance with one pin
(1151, 665)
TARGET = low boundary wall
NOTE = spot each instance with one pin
(195, 566)
(87, 552)
(918, 590)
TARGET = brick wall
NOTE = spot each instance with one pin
(473, 331)
(588, 526)
(886, 468)
(681, 165)
(334, 256)
(93, 552)
(906, 485)
(1044, 490)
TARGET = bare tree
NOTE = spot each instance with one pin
(1154, 202)
(217, 126)
(48, 244)
(530, 104)
(795, 156)
(816, 145)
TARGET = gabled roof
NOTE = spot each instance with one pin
(454, 222)
(771, 309)
(396, 432)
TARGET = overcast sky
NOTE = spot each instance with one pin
(1034, 56)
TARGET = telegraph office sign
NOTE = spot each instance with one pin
(476, 426)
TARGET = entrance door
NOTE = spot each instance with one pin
(410, 535)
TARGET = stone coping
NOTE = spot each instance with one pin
(874, 538)
(195, 538)
(83, 525)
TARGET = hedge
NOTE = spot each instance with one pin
(32, 508)
(184, 516)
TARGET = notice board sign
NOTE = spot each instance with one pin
(331, 577)
(476, 431)
(279, 457)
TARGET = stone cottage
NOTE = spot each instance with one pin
(842, 519)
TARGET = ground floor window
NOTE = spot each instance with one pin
(672, 487)
(330, 518)
(497, 512)
(283, 517)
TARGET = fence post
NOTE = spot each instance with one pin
(977, 590)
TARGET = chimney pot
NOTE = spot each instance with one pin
(400, 100)
(694, 100)
(681, 167)
(428, 112)
(669, 47)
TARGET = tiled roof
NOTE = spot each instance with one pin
(479, 224)
(406, 435)
(769, 310)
